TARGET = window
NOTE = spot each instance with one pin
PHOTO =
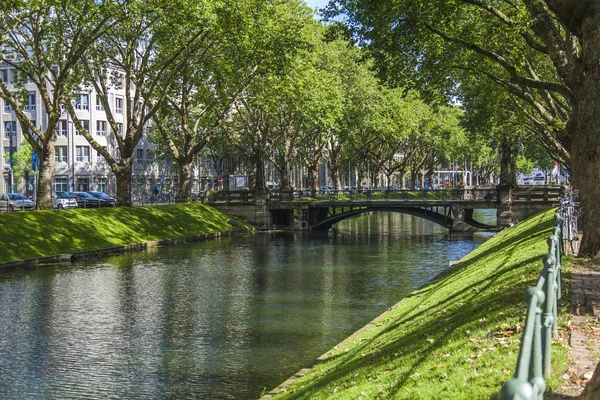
(10, 129)
(7, 106)
(62, 128)
(101, 128)
(150, 155)
(99, 105)
(139, 154)
(4, 75)
(117, 155)
(82, 153)
(60, 154)
(61, 185)
(120, 127)
(82, 102)
(86, 126)
(83, 184)
(102, 185)
(119, 105)
(30, 106)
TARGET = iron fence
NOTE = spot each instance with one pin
(541, 323)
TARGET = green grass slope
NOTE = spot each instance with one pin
(456, 338)
(26, 235)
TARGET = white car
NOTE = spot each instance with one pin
(63, 200)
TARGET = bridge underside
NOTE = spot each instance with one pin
(322, 219)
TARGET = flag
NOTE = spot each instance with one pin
(35, 161)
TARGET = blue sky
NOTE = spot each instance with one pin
(317, 3)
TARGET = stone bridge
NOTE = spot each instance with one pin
(452, 209)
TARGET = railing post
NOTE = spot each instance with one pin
(537, 377)
(558, 254)
(550, 309)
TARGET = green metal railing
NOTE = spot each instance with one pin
(541, 326)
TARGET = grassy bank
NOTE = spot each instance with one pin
(456, 338)
(25, 235)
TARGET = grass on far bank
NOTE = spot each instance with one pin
(25, 235)
(456, 338)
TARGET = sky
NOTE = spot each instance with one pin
(316, 3)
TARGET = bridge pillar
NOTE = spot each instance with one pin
(316, 215)
(262, 212)
(459, 215)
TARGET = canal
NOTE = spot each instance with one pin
(220, 319)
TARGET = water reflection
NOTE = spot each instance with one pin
(211, 320)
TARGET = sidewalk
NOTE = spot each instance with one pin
(585, 329)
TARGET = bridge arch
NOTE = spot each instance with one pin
(444, 219)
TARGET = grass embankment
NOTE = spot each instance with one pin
(26, 235)
(456, 338)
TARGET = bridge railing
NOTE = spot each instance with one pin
(401, 194)
(536, 194)
(541, 326)
(231, 196)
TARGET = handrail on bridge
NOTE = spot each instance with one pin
(541, 326)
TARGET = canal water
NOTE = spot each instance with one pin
(220, 319)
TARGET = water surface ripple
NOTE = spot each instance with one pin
(220, 319)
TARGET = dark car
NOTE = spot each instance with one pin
(86, 200)
(105, 200)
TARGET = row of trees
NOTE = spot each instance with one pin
(167, 56)
(524, 69)
(261, 79)
(325, 104)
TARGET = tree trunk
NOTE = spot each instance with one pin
(388, 175)
(260, 185)
(334, 173)
(360, 178)
(284, 179)
(375, 180)
(508, 166)
(46, 175)
(185, 180)
(592, 389)
(313, 175)
(123, 176)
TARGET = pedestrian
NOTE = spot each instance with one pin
(155, 191)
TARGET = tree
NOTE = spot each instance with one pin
(143, 53)
(543, 53)
(43, 44)
(243, 44)
(22, 162)
(289, 109)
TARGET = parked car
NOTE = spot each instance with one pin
(63, 200)
(527, 180)
(86, 200)
(15, 202)
(106, 200)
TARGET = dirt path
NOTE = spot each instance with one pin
(584, 330)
